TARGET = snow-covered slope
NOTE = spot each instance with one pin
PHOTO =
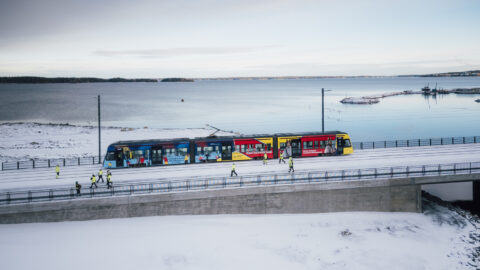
(439, 239)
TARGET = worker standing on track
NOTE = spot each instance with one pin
(57, 170)
(233, 170)
(94, 181)
(100, 175)
(109, 180)
(280, 158)
(290, 164)
(78, 187)
(265, 159)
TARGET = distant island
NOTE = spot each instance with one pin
(176, 80)
(32, 79)
(470, 73)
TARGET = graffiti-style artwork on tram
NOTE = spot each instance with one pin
(217, 149)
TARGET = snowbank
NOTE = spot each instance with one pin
(304, 241)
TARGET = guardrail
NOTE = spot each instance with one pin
(46, 163)
(416, 142)
(29, 196)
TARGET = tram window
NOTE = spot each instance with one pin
(307, 145)
(252, 147)
(217, 148)
(347, 143)
(269, 147)
(322, 144)
(110, 156)
(316, 144)
(208, 149)
(242, 147)
(237, 148)
(259, 147)
(182, 151)
(283, 145)
(199, 149)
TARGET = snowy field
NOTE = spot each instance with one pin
(31, 140)
(439, 238)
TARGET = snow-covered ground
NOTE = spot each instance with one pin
(68, 141)
(32, 140)
(439, 239)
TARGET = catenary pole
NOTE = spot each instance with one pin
(99, 134)
(323, 111)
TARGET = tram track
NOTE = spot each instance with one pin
(382, 157)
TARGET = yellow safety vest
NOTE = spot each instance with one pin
(109, 178)
(233, 167)
(94, 179)
(100, 172)
(57, 169)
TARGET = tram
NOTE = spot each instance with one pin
(125, 154)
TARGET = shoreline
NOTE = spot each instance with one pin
(376, 98)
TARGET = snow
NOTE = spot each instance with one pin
(439, 238)
(74, 139)
(302, 241)
(43, 141)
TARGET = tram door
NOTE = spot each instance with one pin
(340, 145)
(226, 151)
(296, 148)
(157, 155)
(119, 157)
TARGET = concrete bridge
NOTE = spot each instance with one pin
(392, 189)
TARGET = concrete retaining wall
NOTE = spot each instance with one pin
(371, 195)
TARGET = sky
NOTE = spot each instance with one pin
(226, 38)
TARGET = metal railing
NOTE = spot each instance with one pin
(46, 163)
(165, 186)
(415, 142)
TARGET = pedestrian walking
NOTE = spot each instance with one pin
(233, 170)
(94, 181)
(109, 180)
(290, 165)
(280, 158)
(78, 187)
(187, 157)
(57, 170)
(100, 175)
(265, 159)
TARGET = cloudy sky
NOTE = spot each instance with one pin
(223, 38)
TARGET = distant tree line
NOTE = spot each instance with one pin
(33, 79)
(176, 80)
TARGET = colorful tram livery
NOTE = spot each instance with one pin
(215, 149)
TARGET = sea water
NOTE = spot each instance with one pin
(255, 106)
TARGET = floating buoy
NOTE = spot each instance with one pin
(182, 100)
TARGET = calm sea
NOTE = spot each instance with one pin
(257, 106)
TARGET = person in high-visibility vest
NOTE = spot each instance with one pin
(280, 157)
(187, 156)
(100, 175)
(290, 164)
(265, 157)
(109, 180)
(94, 181)
(78, 187)
(57, 170)
(233, 170)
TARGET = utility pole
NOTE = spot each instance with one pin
(99, 135)
(323, 112)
